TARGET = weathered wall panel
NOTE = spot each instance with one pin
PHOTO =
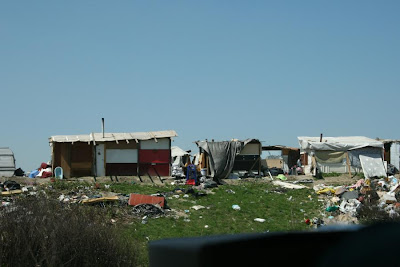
(121, 155)
(154, 156)
(152, 144)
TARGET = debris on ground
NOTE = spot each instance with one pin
(288, 185)
(367, 199)
(198, 207)
(135, 199)
(147, 210)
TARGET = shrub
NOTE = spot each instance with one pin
(42, 232)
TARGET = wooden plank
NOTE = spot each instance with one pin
(11, 192)
(81, 165)
(348, 162)
(100, 199)
(66, 159)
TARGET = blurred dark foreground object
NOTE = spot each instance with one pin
(347, 245)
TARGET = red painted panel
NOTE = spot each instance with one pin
(162, 169)
(136, 199)
(154, 156)
(118, 169)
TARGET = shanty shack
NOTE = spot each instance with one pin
(220, 159)
(344, 154)
(113, 154)
(287, 159)
(7, 162)
(392, 152)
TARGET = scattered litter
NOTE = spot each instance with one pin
(198, 207)
(281, 177)
(230, 191)
(259, 220)
(290, 198)
(236, 207)
(205, 226)
(185, 195)
(335, 199)
(332, 208)
(148, 210)
(350, 206)
(288, 185)
(340, 190)
(350, 194)
(304, 181)
(327, 190)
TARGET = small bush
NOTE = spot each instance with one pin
(41, 232)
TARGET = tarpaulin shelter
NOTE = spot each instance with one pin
(179, 156)
(221, 158)
(344, 154)
(104, 154)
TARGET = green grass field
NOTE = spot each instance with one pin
(282, 209)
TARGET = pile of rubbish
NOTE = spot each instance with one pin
(368, 199)
(149, 210)
(177, 171)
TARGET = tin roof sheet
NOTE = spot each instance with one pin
(109, 137)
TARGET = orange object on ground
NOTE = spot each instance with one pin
(136, 199)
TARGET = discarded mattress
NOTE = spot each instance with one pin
(372, 166)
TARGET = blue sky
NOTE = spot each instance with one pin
(271, 70)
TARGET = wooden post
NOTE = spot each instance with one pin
(348, 162)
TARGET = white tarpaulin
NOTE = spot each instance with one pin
(178, 152)
(337, 143)
(177, 155)
(372, 166)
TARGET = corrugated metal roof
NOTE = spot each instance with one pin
(341, 143)
(6, 151)
(279, 147)
(109, 137)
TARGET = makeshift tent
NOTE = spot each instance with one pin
(222, 156)
(180, 160)
(179, 156)
(339, 154)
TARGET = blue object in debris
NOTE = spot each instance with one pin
(58, 172)
(33, 174)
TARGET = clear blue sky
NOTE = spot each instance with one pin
(271, 70)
